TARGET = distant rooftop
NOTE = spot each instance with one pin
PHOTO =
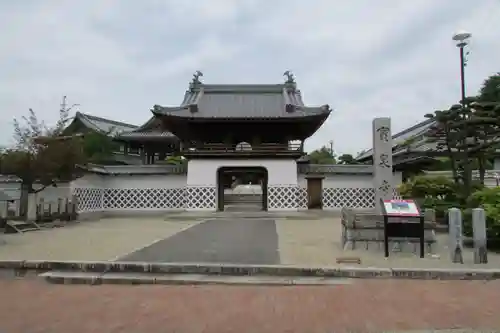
(102, 124)
(406, 134)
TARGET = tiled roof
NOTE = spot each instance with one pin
(149, 130)
(152, 134)
(104, 125)
(243, 101)
(401, 137)
(135, 169)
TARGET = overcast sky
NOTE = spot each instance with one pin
(364, 58)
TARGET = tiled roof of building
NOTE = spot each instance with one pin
(135, 169)
(104, 125)
(413, 132)
(149, 130)
(242, 101)
(151, 134)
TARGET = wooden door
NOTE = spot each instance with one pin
(314, 191)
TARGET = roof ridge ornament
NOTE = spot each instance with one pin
(196, 79)
(289, 77)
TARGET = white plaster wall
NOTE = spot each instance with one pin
(490, 182)
(349, 181)
(496, 164)
(88, 181)
(145, 181)
(204, 172)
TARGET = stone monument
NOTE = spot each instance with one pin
(382, 162)
(479, 234)
(455, 234)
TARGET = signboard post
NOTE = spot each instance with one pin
(402, 218)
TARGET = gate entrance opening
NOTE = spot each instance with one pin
(242, 188)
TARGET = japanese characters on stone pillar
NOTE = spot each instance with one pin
(479, 234)
(382, 161)
(456, 245)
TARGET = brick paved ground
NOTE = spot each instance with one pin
(363, 306)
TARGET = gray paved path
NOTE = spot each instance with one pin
(242, 241)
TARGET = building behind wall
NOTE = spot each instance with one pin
(413, 153)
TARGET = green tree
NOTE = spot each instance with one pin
(323, 155)
(98, 147)
(438, 193)
(174, 160)
(469, 134)
(42, 156)
(347, 159)
(485, 133)
(446, 134)
(490, 90)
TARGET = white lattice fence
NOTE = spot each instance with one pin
(143, 199)
(201, 197)
(282, 197)
(351, 197)
(301, 198)
(89, 199)
(348, 197)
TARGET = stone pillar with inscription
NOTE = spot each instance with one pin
(382, 161)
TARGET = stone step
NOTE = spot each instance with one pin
(243, 207)
(61, 277)
(234, 198)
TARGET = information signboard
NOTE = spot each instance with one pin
(402, 219)
(401, 208)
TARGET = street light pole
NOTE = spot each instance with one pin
(462, 38)
(462, 71)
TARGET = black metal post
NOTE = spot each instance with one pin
(422, 236)
(386, 237)
(462, 71)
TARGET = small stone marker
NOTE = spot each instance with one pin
(479, 234)
(32, 207)
(4, 209)
(455, 234)
(429, 215)
(382, 161)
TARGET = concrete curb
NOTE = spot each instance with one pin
(21, 267)
(185, 279)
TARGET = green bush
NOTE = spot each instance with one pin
(489, 200)
(439, 193)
